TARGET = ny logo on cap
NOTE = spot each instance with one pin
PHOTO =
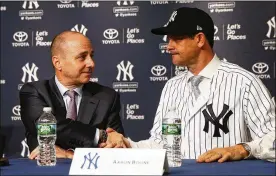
(171, 18)
(198, 28)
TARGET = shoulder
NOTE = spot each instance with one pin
(232, 69)
(177, 79)
(32, 86)
(99, 89)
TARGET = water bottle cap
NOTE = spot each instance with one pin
(47, 109)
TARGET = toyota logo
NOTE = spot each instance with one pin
(260, 68)
(16, 110)
(216, 29)
(110, 34)
(65, 1)
(158, 70)
(20, 36)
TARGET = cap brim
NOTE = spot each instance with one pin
(169, 31)
(160, 31)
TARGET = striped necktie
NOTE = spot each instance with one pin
(195, 80)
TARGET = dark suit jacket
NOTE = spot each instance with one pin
(99, 108)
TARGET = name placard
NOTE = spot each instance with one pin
(106, 161)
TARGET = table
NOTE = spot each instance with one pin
(24, 166)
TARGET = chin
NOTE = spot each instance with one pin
(176, 62)
(85, 80)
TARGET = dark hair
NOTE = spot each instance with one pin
(209, 37)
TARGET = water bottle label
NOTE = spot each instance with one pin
(171, 129)
(46, 129)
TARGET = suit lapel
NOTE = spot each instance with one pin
(59, 109)
(88, 105)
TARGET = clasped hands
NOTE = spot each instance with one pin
(115, 140)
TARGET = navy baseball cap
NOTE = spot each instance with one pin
(187, 21)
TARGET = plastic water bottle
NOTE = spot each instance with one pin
(171, 134)
(46, 136)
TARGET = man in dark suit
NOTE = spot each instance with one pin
(83, 109)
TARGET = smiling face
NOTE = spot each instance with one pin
(73, 59)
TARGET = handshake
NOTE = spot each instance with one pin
(108, 138)
(111, 139)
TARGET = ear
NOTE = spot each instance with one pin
(56, 62)
(200, 39)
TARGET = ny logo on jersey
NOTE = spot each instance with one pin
(211, 117)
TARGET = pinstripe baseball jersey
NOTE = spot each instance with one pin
(234, 107)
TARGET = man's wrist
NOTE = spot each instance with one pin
(102, 136)
(245, 150)
(68, 153)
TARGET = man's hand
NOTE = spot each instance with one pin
(233, 153)
(34, 154)
(60, 153)
(114, 140)
(126, 142)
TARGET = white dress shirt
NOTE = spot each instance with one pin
(66, 99)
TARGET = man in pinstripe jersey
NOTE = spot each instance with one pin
(233, 112)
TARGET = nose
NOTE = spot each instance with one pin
(90, 62)
(170, 45)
